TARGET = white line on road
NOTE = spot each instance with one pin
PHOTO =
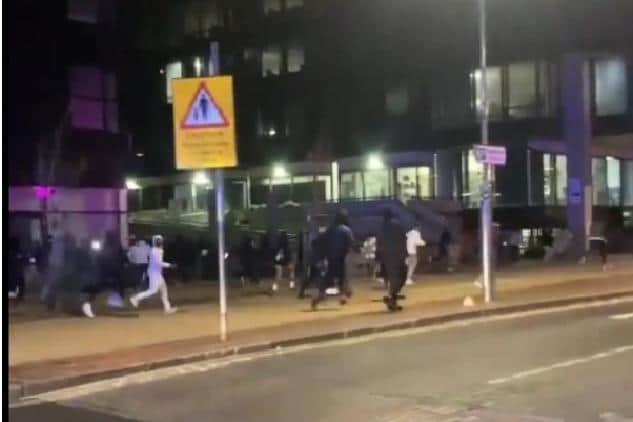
(622, 316)
(565, 364)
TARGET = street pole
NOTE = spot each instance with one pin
(218, 187)
(486, 208)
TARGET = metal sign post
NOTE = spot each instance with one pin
(204, 138)
(486, 208)
(218, 187)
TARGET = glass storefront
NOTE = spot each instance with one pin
(606, 175)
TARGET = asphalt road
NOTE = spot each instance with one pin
(575, 365)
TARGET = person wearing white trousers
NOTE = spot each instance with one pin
(156, 279)
(414, 240)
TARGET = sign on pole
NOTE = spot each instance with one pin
(204, 137)
(204, 123)
(489, 154)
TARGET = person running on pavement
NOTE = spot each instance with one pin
(88, 273)
(392, 244)
(156, 279)
(111, 262)
(339, 242)
(316, 260)
(247, 254)
(282, 260)
(138, 255)
(597, 241)
(414, 240)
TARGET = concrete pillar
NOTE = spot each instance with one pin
(576, 102)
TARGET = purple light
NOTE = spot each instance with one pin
(43, 191)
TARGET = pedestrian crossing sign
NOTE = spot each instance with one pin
(204, 123)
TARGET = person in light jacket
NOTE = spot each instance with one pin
(414, 240)
(156, 279)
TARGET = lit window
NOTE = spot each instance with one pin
(522, 86)
(272, 6)
(293, 4)
(397, 100)
(296, 58)
(271, 61)
(599, 178)
(611, 87)
(474, 174)
(172, 71)
(613, 180)
(493, 76)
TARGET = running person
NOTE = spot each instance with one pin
(156, 279)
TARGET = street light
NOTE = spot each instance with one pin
(279, 171)
(200, 178)
(132, 184)
(197, 65)
(374, 162)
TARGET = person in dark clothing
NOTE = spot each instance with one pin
(111, 262)
(392, 244)
(339, 239)
(88, 273)
(60, 268)
(445, 240)
(17, 262)
(316, 261)
(247, 253)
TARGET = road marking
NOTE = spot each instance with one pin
(559, 365)
(622, 316)
(145, 377)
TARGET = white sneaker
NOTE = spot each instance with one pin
(291, 285)
(86, 308)
(134, 301)
(478, 284)
(275, 287)
(171, 311)
(409, 282)
(332, 291)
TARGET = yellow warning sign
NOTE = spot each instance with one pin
(204, 123)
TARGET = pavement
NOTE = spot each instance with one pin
(50, 351)
(571, 364)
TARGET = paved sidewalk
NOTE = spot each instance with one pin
(60, 351)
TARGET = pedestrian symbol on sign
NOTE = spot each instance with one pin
(203, 111)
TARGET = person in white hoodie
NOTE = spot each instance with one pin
(414, 240)
(155, 275)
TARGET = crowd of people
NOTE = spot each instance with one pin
(85, 269)
(322, 255)
(74, 273)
